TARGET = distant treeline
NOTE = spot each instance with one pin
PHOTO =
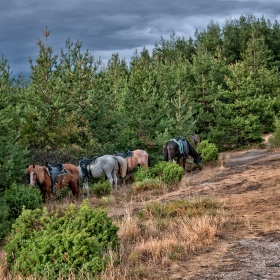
(223, 84)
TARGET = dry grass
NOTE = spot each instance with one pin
(149, 242)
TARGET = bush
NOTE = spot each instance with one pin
(147, 185)
(142, 174)
(172, 173)
(101, 188)
(5, 222)
(168, 172)
(274, 141)
(55, 244)
(12, 203)
(208, 151)
(21, 195)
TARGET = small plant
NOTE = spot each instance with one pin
(5, 221)
(101, 188)
(146, 185)
(19, 196)
(54, 244)
(142, 174)
(168, 172)
(274, 141)
(106, 201)
(208, 151)
(186, 208)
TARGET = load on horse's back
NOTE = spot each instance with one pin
(180, 148)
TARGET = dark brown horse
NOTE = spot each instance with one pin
(177, 149)
(39, 175)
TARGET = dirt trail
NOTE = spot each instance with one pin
(249, 185)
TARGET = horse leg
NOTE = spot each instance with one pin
(75, 191)
(85, 186)
(43, 194)
(184, 163)
(49, 192)
(115, 179)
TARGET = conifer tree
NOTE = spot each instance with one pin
(13, 158)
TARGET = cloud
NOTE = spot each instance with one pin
(109, 26)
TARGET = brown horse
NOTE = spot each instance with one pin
(135, 158)
(40, 175)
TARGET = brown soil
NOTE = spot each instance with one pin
(248, 183)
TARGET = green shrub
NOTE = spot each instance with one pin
(168, 172)
(5, 221)
(208, 151)
(18, 196)
(274, 141)
(51, 244)
(101, 188)
(61, 193)
(142, 174)
(147, 185)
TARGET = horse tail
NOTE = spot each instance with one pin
(165, 152)
(123, 165)
(149, 161)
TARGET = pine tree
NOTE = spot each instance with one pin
(13, 158)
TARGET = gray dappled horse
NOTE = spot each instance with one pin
(98, 166)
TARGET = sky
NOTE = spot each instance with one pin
(106, 27)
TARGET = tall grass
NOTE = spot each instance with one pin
(155, 236)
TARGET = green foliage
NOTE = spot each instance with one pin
(168, 172)
(5, 221)
(13, 158)
(179, 208)
(101, 188)
(49, 244)
(142, 174)
(274, 141)
(14, 200)
(19, 196)
(147, 184)
(208, 151)
(223, 84)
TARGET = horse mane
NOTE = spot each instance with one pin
(193, 151)
(40, 170)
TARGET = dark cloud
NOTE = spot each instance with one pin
(109, 26)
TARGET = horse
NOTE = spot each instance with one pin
(40, 175)
(172, 150)
(98, 166)
(135, 158)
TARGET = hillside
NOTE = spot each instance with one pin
(246, 247)
(248, 183)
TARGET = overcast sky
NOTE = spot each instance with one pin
(112, 26)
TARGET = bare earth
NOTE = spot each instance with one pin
(248, 183)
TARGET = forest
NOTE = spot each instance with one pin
(222, 84)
